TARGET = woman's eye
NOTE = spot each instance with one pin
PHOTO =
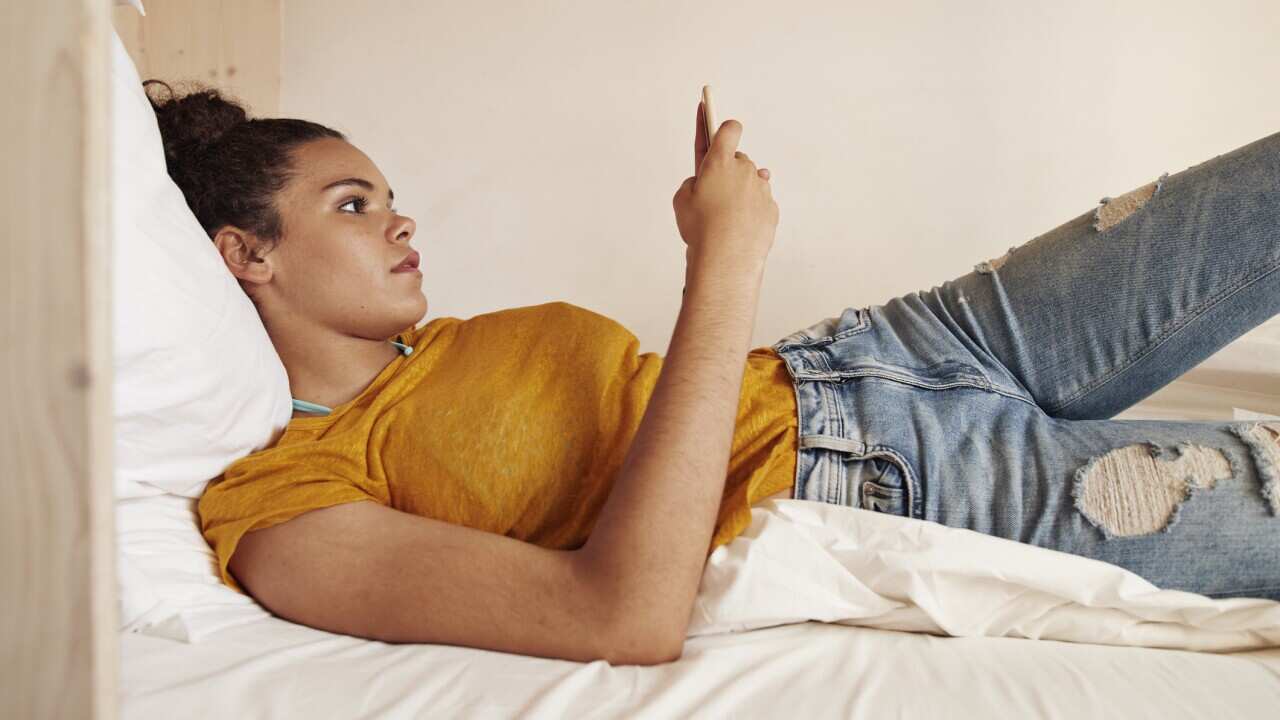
(357, 201)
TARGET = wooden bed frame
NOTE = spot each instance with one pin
(61, 615)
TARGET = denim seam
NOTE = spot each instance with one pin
(885, 375)
(1160, 339)
(1236, 593)
(905, 378)
(864, 324)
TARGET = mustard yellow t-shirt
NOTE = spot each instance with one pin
(513, 422)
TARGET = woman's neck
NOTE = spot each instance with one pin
(329, 368)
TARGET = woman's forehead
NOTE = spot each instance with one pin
(324, 164)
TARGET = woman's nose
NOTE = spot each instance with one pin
(404, 228)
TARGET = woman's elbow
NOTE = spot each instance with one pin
(645, 648)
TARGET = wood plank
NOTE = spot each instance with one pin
(59, 628)
(233, 45)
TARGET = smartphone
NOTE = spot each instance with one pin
(709, 114)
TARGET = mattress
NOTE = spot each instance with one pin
(817, 610)
(276, 669)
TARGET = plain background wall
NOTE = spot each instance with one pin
(538, 145)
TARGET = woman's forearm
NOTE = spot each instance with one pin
(649, 545)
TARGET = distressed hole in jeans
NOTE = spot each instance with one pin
(1112, 210)
(987, 267)
(1138, 489)
(990, 266)
(1263, 439)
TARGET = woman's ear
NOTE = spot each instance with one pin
(241, 251)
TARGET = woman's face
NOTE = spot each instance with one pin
(342, 237)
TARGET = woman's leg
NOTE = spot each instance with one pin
(984, 403)
(1102, 311)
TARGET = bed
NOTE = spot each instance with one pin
(815, 610)
(272, 668)
(885, 587)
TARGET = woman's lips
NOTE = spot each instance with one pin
(410, 263)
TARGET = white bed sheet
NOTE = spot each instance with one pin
(888, 592)
(272, 668)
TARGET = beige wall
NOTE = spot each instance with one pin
(538, 145)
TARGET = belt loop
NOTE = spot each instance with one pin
(831, 442)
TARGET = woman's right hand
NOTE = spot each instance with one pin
(725, 212)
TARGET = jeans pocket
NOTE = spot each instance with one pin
(881, 499)
(878, 483)
(852, 473)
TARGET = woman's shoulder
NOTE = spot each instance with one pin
(540, 315)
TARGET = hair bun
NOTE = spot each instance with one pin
(191, 123)
(229, 167)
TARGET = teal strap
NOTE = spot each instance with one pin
(305, 406)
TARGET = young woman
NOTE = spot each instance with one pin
(524, 481)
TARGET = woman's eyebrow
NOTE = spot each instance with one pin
(360, 182)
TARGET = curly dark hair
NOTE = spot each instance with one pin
(228, 166)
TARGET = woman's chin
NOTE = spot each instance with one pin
(422, 305)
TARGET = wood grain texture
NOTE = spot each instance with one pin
(233, 45)
(59, 624)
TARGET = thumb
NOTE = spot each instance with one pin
(725, 142)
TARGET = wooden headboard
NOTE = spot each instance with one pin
(232, 44)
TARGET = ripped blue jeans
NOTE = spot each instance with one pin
(985, 403)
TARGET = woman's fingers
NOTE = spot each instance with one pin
(702, 144)
(762, 172)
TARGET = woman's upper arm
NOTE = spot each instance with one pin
(368, 570)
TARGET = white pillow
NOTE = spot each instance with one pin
(169, 583)
(197, 383)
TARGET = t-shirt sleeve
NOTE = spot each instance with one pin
(256, 493)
